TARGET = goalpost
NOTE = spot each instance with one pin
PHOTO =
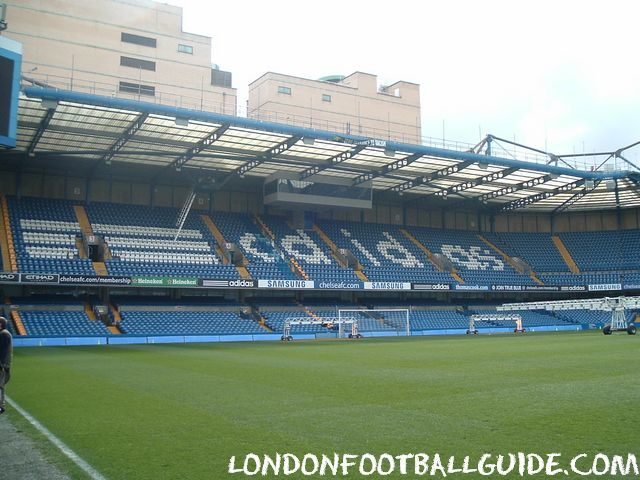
(344, 324)
(379, 319)
(513, 318)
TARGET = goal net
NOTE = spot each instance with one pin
(379, 319)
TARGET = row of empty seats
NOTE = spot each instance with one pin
(55, 323)
(186, 322)
(44, 234)
(167, 319)
(141, 241)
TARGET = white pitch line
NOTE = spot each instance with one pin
(70, 454)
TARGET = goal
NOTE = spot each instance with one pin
(379, 319)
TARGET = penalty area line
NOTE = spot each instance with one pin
(70, 454)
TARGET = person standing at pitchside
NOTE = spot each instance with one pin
(6, 352)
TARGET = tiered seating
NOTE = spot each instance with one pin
(607, 250)
(141, 242)
(630, 278)
(537, 249)
(310, 252)
(185, 322)
(593, 317)
(543, 318)
(265, 261)
(438, 319)
(57, 322)
(44, 233)
(475, 261)
(384, 252)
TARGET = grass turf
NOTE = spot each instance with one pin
(180, 411)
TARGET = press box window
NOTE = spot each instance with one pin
(326, 98)
(285, 90)
(138, 40)
(137, 89)
(185, 49)
(138, 63)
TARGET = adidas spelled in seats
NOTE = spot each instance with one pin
(475, 261)
(310, 252)
(384, 252)
(264, 260)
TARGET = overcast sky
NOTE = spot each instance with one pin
(565, 74)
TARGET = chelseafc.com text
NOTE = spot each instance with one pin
(434, 465)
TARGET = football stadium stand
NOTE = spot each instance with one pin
(141, 241)
(385, 253)
(44, 235)
(536, 248)
(604, 251)
(475, 261)
(310, 252)
(60, 322)
(265, 261)
(186, 322)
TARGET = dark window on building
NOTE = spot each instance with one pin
(137, 89)
(326, 98)
(185, 48)
(7, 66)
(220, 78)
(137, 63)
(285, 90)
(138, 39)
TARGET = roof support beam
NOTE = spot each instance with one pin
(260, 159)
(490, 177)
(505, 190)
(387, 169)
(430, 177)
(131, 130)
(44, 123)
(629, 162)
(573, 199)
(523, 202)
(207, 141)
(335, 160)
(268, 155)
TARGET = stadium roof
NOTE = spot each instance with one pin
(103, 130)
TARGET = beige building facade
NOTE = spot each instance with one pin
(125, 48)
(355, 105)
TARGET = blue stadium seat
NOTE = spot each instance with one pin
(141, 241)
(44, 234)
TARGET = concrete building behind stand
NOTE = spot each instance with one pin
(355, 104)
(125, 48)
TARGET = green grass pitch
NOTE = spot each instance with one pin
(181, 411)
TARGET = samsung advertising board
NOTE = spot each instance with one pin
(10, 65)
